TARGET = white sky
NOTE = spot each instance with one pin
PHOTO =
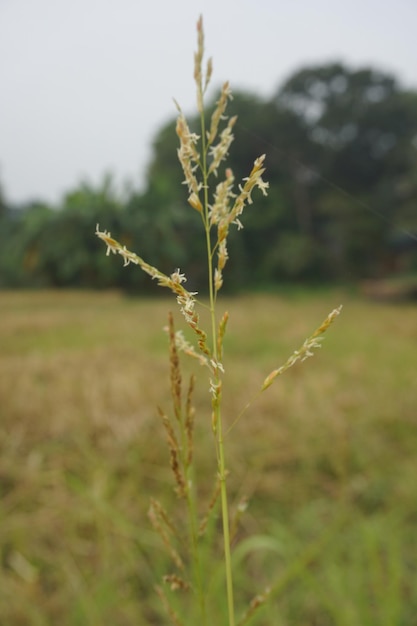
(85, 84)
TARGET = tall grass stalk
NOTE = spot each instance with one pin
(219, 207)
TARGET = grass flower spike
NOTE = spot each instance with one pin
(219, 203)
(307, 349)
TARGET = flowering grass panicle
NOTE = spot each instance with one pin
(220, 205)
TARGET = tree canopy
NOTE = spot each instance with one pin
(341, 163)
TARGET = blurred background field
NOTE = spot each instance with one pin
(83, 451)
(327, 457)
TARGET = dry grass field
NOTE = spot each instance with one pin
(83, 451)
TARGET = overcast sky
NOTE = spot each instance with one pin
(86, 84)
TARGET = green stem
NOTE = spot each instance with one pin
(220, 442)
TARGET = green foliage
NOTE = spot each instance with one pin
(19, 236)
(343, 191)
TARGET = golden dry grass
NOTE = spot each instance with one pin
(82, 448)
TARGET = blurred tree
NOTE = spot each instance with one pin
(19, 252)
(56, 247)
(3, 206)
(360, 133)
(340, 157)
(341, 162)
